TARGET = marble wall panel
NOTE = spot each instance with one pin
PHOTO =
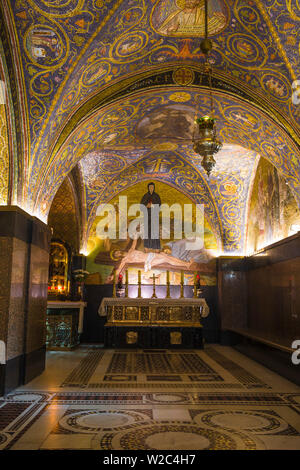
(274, 299)
(37, 299)
(18, 293)
(6, 246)
(232, 293)
(262, 292)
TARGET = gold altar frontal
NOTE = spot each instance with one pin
(152, 322)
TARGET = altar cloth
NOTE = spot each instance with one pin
(186, 311)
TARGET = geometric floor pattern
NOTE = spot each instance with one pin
(99, 399)
(142, 368)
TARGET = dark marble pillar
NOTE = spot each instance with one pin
(24, 254)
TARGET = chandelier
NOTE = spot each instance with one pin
(205, 142)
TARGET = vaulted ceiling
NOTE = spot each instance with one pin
(111, 88)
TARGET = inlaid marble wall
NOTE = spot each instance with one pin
(15, 332)
(24, 246)
(37, 299)
(5, 250)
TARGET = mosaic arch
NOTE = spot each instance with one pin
(16, 109)
(119, 127)
(62, 56)
(7, 163)
(4, 157)
(273, 210)
(166, 76)
(186, 97)
(225, 194)
(64, 217)
(170, 169)
(72, 49)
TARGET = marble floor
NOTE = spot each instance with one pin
(92, 398)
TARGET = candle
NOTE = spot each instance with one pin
(139, 276)
(182, 277)
(168, 277)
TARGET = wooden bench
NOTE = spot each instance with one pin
(273, 342)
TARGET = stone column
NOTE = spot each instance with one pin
(24, 254)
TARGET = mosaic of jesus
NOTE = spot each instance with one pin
(186, 17)
(152, 255)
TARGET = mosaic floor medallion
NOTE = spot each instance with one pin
(91, 421)
(250, 421)
(27, 396)
(177, 436)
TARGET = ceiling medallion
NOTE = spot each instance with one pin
(183, 76)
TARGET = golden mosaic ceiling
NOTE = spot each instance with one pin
(70, 63)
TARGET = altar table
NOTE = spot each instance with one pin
(153, 322)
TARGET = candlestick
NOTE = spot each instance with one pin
(199, 291)
(154, 296)
(168, 285)
(114, 285)
(195, 284)
(181, 285)
(139, 285)
(126, 283)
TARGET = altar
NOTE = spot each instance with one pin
(153, 322)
